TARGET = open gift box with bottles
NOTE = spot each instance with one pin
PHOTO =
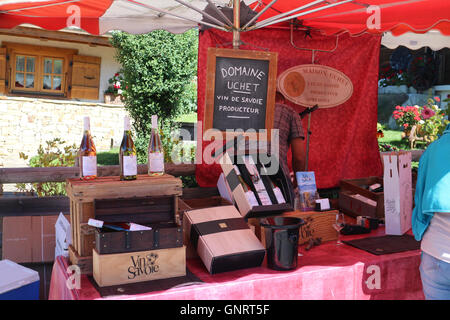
(258, 190)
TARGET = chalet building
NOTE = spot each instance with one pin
(50, 80)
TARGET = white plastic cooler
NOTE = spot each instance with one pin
(18, 282)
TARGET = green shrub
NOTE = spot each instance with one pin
(55, 154)
(159, 78)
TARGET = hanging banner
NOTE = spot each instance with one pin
(311, 84)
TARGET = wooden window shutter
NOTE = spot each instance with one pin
(3, 70)
(85, 77)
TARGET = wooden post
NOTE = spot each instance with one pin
(236, 24)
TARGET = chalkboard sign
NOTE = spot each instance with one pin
(240, 90)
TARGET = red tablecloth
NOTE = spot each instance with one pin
(324, 272)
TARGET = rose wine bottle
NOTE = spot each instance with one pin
(127, 154)
(248, 192)
(276, 190)
(257, 181)
(155, 151)
(87, 154)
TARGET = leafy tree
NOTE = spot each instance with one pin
(159, 77)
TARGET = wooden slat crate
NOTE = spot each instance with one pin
(84, 194)
(354, 186)
(84, 263)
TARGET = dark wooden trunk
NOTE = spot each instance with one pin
(155, 212)
(162, 236)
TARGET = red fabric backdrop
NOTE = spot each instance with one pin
(343, 142)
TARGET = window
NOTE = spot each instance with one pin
(25, 72)
(48, 71)
(53, 74)
(38, 70)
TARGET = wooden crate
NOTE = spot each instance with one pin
(354, 186)
(83, 194)
(318, 225)
(130, 267)
(355, 205)
(84, 263)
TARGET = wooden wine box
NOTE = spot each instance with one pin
(317, 225)
(110, 199)
(130, 267)
(222, 239)
(355, 200)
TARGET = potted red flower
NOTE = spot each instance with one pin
(406, 117)
(113, 94)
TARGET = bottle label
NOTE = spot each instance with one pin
(279, 195)
(89, 166)
(156, 162)
(264, 197)
(129, 165)
(251, 199)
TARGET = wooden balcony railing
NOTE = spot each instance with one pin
(27, 205)
(20, 205)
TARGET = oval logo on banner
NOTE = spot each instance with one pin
(311, 84)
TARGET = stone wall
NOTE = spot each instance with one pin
(25, 123)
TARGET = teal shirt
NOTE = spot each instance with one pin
(433, 184)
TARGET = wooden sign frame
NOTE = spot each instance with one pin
(271, 57)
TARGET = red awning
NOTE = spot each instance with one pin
(141, 16)
(374, 16)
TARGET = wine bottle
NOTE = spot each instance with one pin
(155, 151)
(247, 190)
(87, 154)
(127, 154)
(276, 190)
(257, 181)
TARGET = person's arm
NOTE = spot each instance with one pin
(298, 154)
(297, 141)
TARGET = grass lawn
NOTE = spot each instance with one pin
(394, 138)
(107, 158)
(190, 117)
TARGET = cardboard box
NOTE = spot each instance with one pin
(397, 192)
(29, 239)
(223, 239)
(63, 236)
(239, 196)
(199, 203)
